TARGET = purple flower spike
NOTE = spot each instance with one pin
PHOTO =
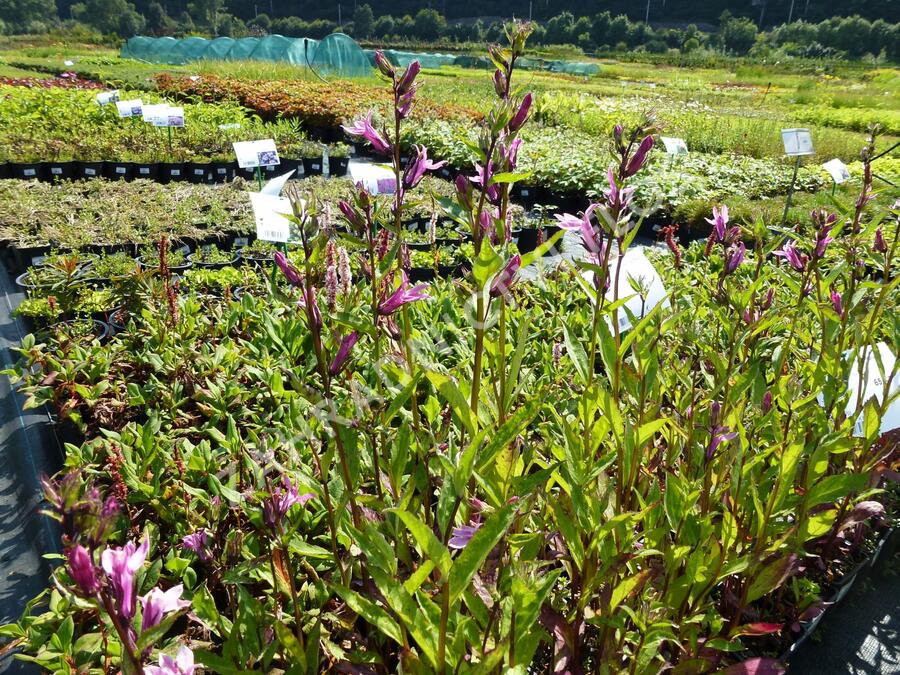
(121, 565)
(766, 405)
(280, 502)
(158, 603)
(406, 82)
(640, 156)
(416, 169)
(521, 115)
(290, 272)
(719, 221)
(837, 303)
(402, 296)
(719, 435)
(880, 243)
(383, 64)
(343, 353)
(82, 570)
(462, 535)
(182, 664)
(198, 542)
(796, 259)
(734, 257)
(822, 241)
(506, 277)
(363, 128)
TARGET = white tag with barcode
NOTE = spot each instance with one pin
(270, 212)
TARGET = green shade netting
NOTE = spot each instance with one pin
(337, 55)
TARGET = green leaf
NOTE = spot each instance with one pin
(509, 177)
(371, 612)
(473, 555)
(832, 488)
(770, 577)
(576, 351)
(626, 587)
(486, 265)
(426, 539)
(509, 430)
(453, 396)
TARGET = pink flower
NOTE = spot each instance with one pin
(593, 241)
(719, 221)
(405, 84)
(640, 156)
(796, 259)
(464, 192)
(182, 664)
(280, 502)
(719, 435)
(198, 542)
(82, 570)
(880, 244)
(290, 272)
(416, 169)
(363, 128)
(521, 115)
(822, 241)
(505, 278)
(121, 565)
(462, 535)
(837, 303)
(158, 603)
(402, 296)
(383, 64)
(734, 257)
(510, 153)
(308, 302)
(343, 353)
(355, 219)
(619, 198)
(766, 404)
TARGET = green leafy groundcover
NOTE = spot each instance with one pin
(342, 470)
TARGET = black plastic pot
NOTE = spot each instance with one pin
(101, 330)
(22, 258)
(312, 166)
(25, 170)
(89, 169)
(170, 172)
(419, 274)
(260, 262)
(59, 171)
(338, 166)
(288, 164)
(118, 170)
(145, 170)
(213, 266)
(447, 172)
(117, 320)
(223, 172)
(173, 269)
(528, 239)
(199, 172)
(4, 169)
(270, 172)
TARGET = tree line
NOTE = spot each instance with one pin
(833, 37)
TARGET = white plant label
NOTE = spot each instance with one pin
(107, 97)
(276, 185)
(68, 62)
(376, 178)
(873, 387)
(635, 267)
(251, 154)
(797, 142)
(230, 125)
(169, 117)
(131, 108)
(838, 170)
(151, 110)
(674, 146)
(270, 212)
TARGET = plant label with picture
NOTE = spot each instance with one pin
(130, 108)
(251, 154)
(169, 117)
(636, 271)
(797, 142)
(270, 212)
(151, 110)
(674, 146)
(838, 170)
(869, 384)
(377, 178)
(107, 97)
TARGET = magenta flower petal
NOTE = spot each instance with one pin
(521, 115)
(505, 278)
(82, 569)
(343, 353)
(290, 272)
(640, 156)
(121, 565)
(363, 128)
(462, 535)
(156, 604)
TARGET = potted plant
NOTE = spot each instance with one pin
(173, 169)
(259, 253)
(95, 303)
(199, 170)
(311, 153)
(216, 281)
(223, 167)
(79, 331)
(37, 313)
(112, 267)
(212, 257)
(338, 159)
(177, 259)
(62, 165)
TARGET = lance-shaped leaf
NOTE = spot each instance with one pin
(473, 555)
